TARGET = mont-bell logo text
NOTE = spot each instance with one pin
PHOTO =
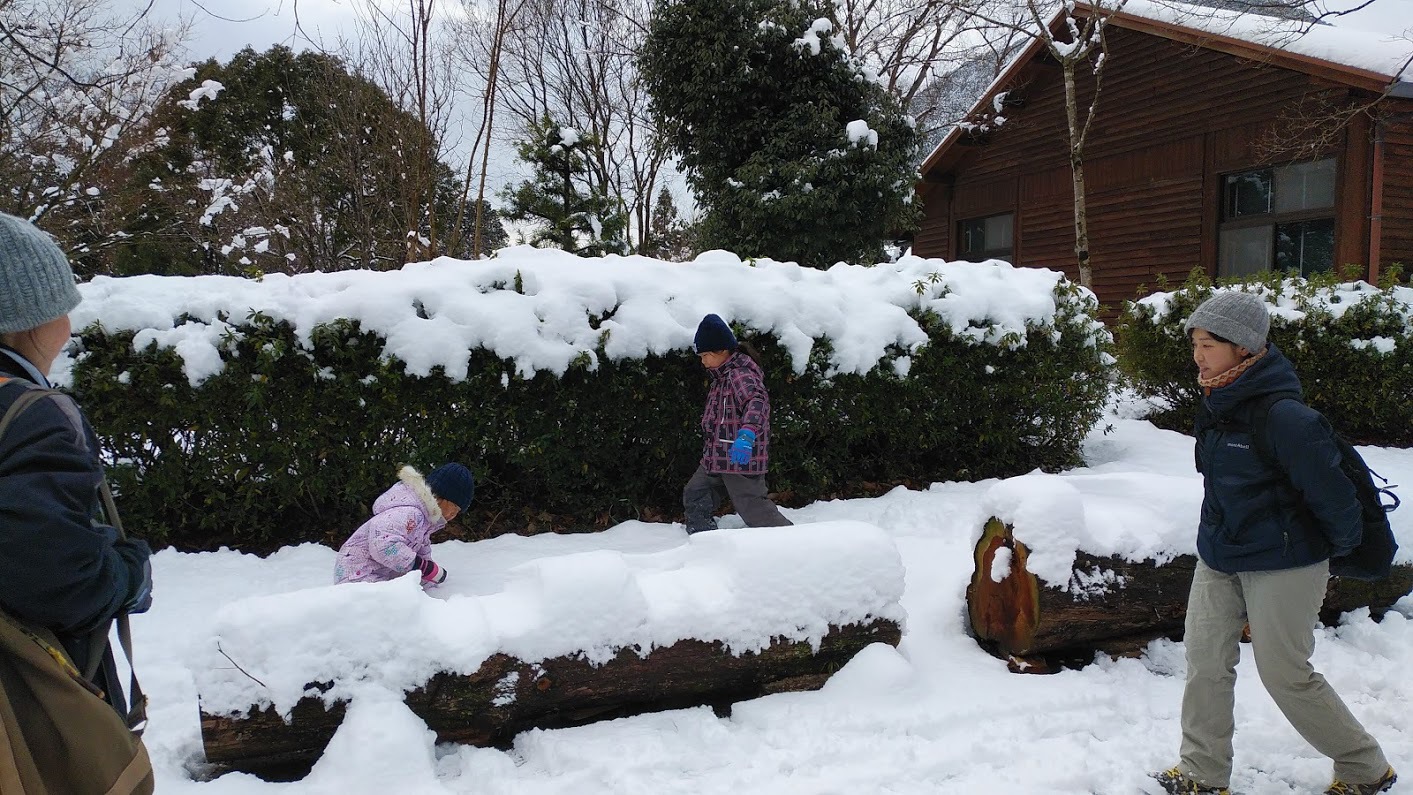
(1239, 445)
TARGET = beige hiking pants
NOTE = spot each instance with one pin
(1282, 608)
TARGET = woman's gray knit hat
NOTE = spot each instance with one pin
(1233, 315)
(38, 284)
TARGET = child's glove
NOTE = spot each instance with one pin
(432, 574)
(740, 454)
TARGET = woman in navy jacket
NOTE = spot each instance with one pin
(1264, 540)
(62, 567)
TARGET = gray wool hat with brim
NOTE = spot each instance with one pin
(1233, 315)
(38, 284)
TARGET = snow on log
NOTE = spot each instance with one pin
(507, 696)
(1108, 602)
(727, 616)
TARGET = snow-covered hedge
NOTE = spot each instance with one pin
(1351, 342)
(272, 411)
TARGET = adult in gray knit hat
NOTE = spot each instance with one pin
(1276, 508)
(61, 571)
(1234, 316)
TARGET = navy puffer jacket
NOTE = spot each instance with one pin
(1259, 517)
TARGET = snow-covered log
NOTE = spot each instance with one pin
(555, 641)
(1109, 603)
(507, 696)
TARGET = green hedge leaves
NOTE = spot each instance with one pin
(1351, 343)
(292, 442)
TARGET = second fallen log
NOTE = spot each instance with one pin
(1108, 600)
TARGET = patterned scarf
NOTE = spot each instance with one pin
(1222, 379)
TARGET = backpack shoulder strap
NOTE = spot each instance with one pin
(33, 393)
(1260, 415)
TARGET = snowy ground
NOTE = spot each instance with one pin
(935, 716)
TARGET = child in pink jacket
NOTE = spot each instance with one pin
(398, 538)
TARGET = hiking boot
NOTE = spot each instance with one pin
(1344, 788)
(1175, 782)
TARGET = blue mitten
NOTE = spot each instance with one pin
(740, 454)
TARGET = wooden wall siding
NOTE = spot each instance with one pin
(1353, 182)
(1046, 235)
(1145, 235)
(1172, 119)
(1138, 169)
(1397, 239)
(934, 234)
(1051, 184)
(987, 197)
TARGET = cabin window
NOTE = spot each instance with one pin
(1279, 218)
(986, 238)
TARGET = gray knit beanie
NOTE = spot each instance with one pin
(1233, 315)
(37, 280)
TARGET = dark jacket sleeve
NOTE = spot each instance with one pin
(1304, 445)
(58, 568)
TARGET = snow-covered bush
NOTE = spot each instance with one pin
(567, 383)
(1351, 342)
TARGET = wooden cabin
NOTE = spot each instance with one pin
(1208, 150)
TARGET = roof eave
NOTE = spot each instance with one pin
(999, 84)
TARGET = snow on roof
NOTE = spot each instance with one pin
(1337, 40)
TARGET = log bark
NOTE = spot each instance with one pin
(1024, 617)
(507, 696)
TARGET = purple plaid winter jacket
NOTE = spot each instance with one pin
(385, 547)
(737, 400)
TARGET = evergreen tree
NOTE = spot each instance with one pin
(564, 207)
(295, 164)
(792, 150)
(670, 237)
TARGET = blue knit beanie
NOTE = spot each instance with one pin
(453, 483)
(714, 335)
(36, 282)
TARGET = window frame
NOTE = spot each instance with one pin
(1274, 219)
(1006, 254)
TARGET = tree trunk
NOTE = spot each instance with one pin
(1081, 211)
(507, 696)
(1110, 603)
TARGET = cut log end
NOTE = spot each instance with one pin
(1006, 612)
(1109, 604)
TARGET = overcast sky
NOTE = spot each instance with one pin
(221, 28)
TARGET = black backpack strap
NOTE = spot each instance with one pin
(1260, 415)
